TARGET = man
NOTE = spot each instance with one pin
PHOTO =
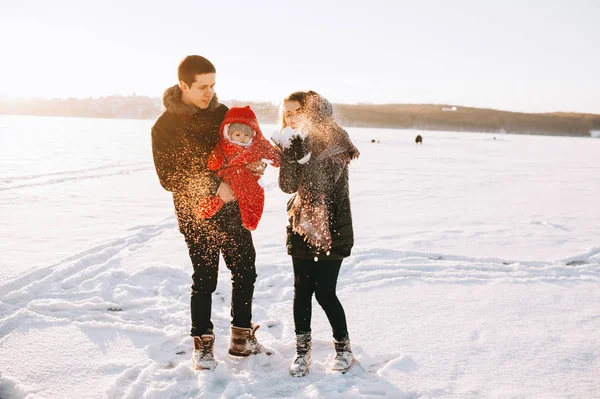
(182, 139)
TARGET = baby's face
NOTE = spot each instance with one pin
(240, 137)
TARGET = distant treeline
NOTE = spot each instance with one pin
(456, 118)
(398, 116)
(134, 107)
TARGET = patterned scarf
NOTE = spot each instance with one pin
(309, 213)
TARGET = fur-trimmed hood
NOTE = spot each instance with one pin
(172, 102)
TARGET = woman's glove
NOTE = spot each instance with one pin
(299, 150)
(293, 145)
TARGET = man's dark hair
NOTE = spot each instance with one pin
(193, 65)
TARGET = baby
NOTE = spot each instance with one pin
(241, 143)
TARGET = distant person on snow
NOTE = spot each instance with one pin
(241, 143)
(316, 153)
(182, 139)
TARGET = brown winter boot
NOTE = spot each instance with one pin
(203, 356)
(244, 342)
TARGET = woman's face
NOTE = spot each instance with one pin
(292, 112)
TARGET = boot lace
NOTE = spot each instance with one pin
(302, 345)
(341, 347)
(205, 345)
(252, 336)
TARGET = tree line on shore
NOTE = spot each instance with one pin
(396, 116)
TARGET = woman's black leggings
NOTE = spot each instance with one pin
(319, 278)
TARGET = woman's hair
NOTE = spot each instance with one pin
(315, 107)
(324, 131)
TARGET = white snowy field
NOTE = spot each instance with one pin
(476, 271)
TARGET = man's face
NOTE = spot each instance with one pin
(201, 91)
(240, 137)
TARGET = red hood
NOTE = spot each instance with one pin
(243, 115)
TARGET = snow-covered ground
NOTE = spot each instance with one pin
(475, 273)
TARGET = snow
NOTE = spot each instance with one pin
(284, 138)
(475, 272)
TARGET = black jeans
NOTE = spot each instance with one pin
(206, 239)
(319, 278)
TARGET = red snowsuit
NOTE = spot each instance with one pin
(230, 159)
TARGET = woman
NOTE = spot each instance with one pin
(314, 167)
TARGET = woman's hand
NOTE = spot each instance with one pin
(299, 150)
(293, 145)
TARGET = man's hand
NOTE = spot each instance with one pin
(226, 193)
(257, 168)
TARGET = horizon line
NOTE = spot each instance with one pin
(18, 98)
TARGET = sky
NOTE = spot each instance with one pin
(534, 56)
